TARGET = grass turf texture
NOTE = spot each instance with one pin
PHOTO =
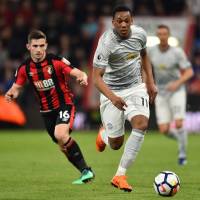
(32, 168)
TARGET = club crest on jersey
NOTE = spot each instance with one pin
(30, 73)
(43, 85)
(49, 69)
(100, 57)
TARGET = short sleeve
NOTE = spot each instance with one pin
(182, 59)
(143, 36)
(102, 53)
(20, 75)
(66, 68)
(140, 34)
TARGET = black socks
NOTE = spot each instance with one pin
(75, 155)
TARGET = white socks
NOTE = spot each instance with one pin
(182, 142)
(131, 149)
(181, 136)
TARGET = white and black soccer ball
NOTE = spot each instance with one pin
(166, 183)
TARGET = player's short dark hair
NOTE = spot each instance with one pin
(36, 34)
(163, 26)
(121, 8)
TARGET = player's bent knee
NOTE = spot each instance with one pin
(116, 143)
(163, 130)
(139, 122)
(61, 137)
(115, 146)
(179, 124)
(141, 126)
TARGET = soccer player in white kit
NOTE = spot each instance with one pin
(171, 69)
(119, 61)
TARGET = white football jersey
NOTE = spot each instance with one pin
(167, 65)
(120, 58)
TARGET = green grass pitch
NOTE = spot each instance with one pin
(32, 168)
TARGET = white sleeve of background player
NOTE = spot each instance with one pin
(182, 59)
(102, 53)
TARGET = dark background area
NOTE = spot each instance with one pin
(72, 27)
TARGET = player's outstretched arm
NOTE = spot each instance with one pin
(13, 92)
(80, 76)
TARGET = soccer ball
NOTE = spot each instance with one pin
(166, 183)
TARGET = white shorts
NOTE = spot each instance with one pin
(113, 119)
(170, 108)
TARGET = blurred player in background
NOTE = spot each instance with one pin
(48, 74)
(171, 69)
(119, 60)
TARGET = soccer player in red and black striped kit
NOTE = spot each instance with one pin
(49, 75)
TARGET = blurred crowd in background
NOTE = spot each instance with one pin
(72, 27)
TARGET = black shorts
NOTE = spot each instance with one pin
(63, 115)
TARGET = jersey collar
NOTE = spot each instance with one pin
(119, 38)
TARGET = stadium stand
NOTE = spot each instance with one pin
(72, 28)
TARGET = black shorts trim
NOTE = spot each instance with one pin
(63, 115)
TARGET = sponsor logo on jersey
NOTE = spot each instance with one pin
(162, 66)
(43, 85)
(131, 56)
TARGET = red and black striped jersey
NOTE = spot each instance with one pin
(50, 81)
